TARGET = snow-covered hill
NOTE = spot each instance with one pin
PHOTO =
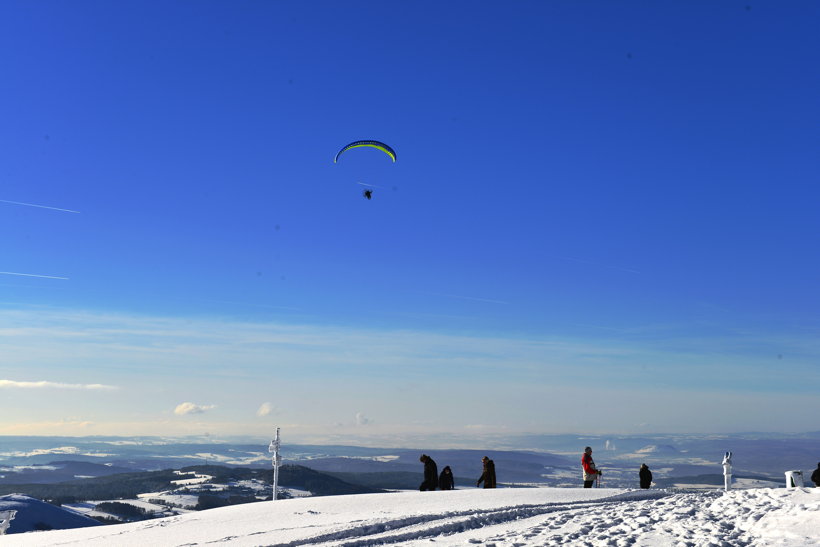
(520, 517)
(32, 514)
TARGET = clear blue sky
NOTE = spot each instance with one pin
(604, 205)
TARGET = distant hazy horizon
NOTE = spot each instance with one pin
(539, 441)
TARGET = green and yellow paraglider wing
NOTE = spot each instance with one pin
(373, 144)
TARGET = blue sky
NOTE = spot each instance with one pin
(603, 217)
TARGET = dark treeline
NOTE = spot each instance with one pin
(210, 501)
(119, 486)
(290, 476)
(124, 510)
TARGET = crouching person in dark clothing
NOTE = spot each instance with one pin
(430, 473)
(445, 480)
(488, 476)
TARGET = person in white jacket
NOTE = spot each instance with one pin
(727, 470)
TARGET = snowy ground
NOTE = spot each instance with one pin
(510, 517)
(184, 501)
(89, 508)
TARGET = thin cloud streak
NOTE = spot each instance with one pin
(43, 384)
(167, 360)
(183, 347)
(476, 299)
(473, 298)
(598, 264)
(34, 275)
(39, 206)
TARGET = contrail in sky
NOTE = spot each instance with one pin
(33, 275)
(474, 298)
(46, 384)
(370, 185)
(40, 206)
(593, 263)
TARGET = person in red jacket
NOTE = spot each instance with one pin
(588, 465)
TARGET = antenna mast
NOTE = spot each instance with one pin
(274, 448)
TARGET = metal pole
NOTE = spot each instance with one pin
(274, 448)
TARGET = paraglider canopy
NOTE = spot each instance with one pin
(373, 144)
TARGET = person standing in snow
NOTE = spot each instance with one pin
(588, 465)
(430, 473)
(727, 471)
(488, 475)
(446, 480)
(815, 477)
(645, 476)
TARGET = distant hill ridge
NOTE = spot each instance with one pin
(57, 471)
(129, 485)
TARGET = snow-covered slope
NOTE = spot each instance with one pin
(33, 514)
(546, 516)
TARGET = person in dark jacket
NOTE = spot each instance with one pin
(445, 480)
(645, 475)
(488, 476)
(815, 477)
(430, 473)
